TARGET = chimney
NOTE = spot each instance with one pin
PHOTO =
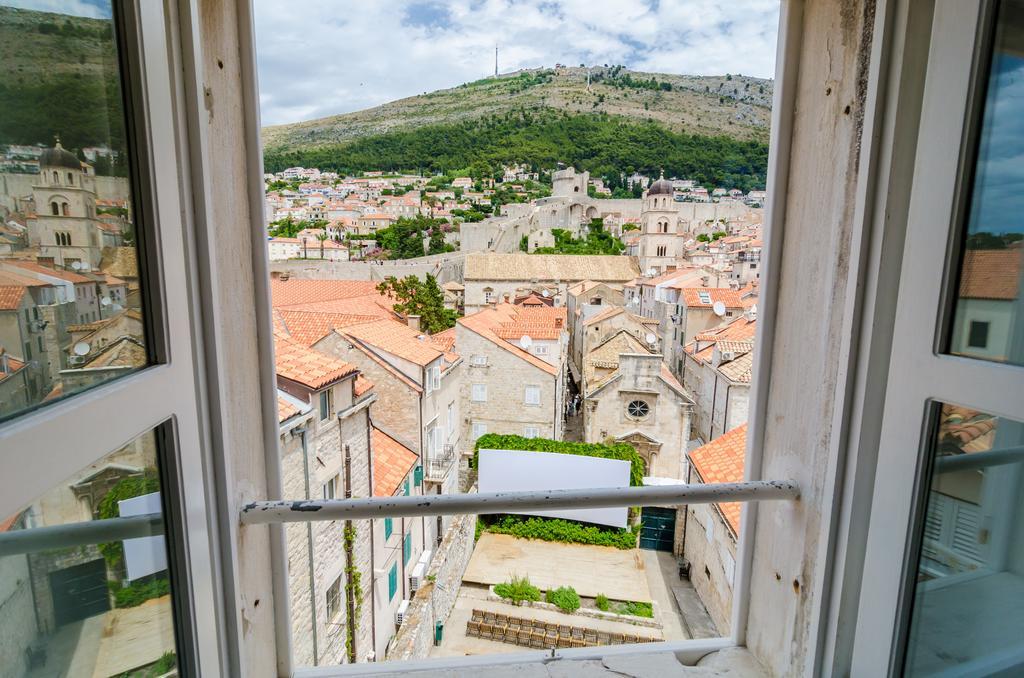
(558, 323)
(5, 367)
(414, 321)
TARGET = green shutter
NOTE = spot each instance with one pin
(407, 548)
(405, 487)
(393, 582)
(417, 476)
(388, 528)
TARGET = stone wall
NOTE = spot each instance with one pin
(436, 597)
(17, 606)
(445, 267)
(711, 551)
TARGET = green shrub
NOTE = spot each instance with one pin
(138, 592)
(126, 488)
(568, 531)
(565, 598)
(638, 609)
(622, 451)
(518, 589)
(602, 602)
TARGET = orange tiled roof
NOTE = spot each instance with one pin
(488, 321)
(10, 296)
(362, 385)
(46, 270)
(392, 462)
(731, 298)
(309, 327)
(990, 274)
(396, 338)
(738, 330)
(285, 410)
(966, 430)
(722, 461)
(286, 293)
(445, 340)
(310, 368)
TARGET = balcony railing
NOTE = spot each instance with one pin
(439, 464)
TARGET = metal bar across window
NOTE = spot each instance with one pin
(285, 511)
(80, 534)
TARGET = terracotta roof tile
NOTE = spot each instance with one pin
(306, 366)
(722, 461)
(10, 296)
(966, 430)
(396, 338)
(362, 385)
(285, 410)
(731, 298)
(487, 323)
(392, 462)
(991, 274)
(309, 327)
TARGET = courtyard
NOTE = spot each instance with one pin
(643, 576)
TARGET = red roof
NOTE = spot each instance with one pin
(305, 366)
(722, 461)
(392, 462)
(10, 297)
(991, 274)
(731, 298)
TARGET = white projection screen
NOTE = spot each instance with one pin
(522, 471)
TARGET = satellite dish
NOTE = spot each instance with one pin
(117, 307)
(77, 265)
(525, 342)
(546, 294)
(718, 308)
(81, 348)
(105, 301)
(651, 338)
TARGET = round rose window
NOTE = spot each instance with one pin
(638, 409)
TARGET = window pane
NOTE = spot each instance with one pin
(968, 608)
(988, 321)
(69, 276)
(94, 604)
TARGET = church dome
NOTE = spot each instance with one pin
(660, 187)
(58, 156)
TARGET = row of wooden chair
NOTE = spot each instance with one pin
(542, 635)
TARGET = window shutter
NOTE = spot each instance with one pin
(418, 476)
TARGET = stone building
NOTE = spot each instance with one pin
(716, 370)
(489, 277)
(325, 454)
(630, 396)
(515, 376)
(660, 243)
(65, 228)
(597, 323)
(710, 530)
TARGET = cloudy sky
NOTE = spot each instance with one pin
(321, 57)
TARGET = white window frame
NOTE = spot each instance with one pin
(527, 390)
(925, 375)
(478, 429)
(478, 360)
(478, 393)
(169, 396)
(530, 431)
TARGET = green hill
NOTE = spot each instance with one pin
(58, 76)
(714, 129)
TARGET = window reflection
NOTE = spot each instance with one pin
(93, 605)
(69, 282)
(968, 610)
(989, 320)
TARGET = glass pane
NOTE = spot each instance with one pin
(69, 282)
(968, 611)
(988, 321)
(88, 602)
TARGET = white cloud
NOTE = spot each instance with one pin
(93, 9)
(321, 57)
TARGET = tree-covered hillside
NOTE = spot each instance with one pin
(602, 144)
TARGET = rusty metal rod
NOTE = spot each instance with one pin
(285, 511)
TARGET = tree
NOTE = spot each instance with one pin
(321, 237)
(419, 297)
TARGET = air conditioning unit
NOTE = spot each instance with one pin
(401, 612)
(75, 359)
(416, 578)
(36, 325)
